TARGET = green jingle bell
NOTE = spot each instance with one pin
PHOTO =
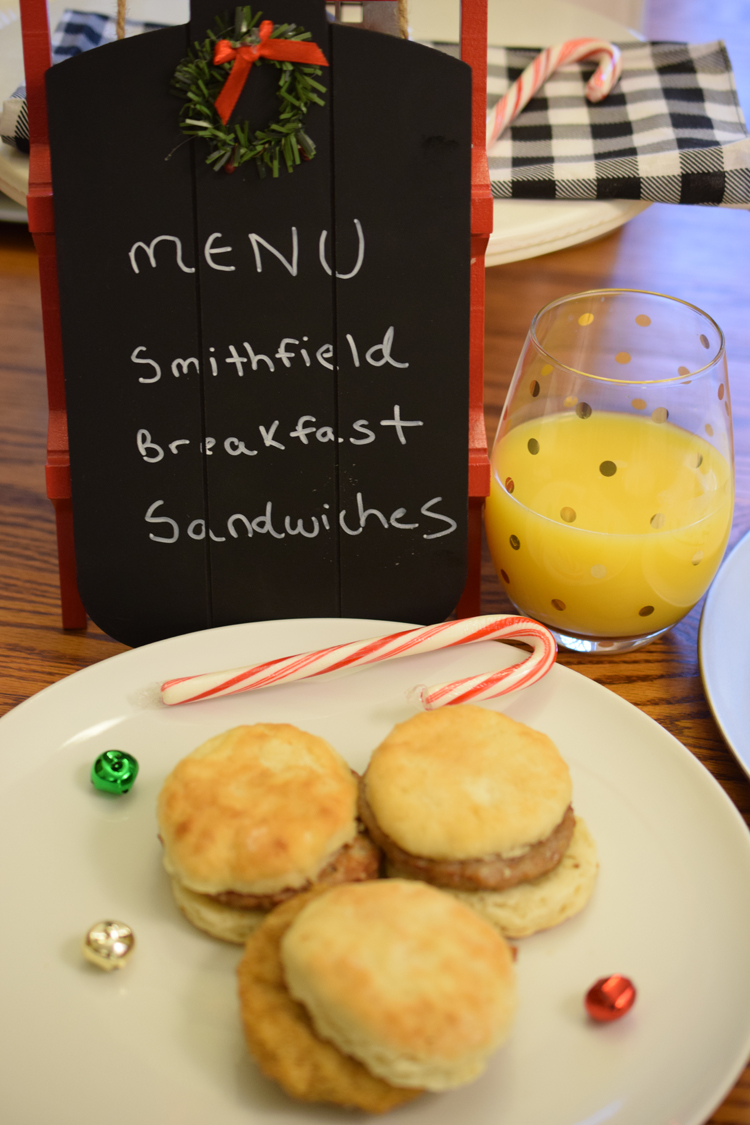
(114, 771)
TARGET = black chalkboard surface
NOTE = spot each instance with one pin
(267, 379)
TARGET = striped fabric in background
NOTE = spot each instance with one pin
(76, 32)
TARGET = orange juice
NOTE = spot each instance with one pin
(611, 525)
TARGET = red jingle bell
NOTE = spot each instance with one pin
(610, 998)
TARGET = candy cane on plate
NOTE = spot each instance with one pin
(211, 685)
(538, 71)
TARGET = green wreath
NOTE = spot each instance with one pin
(199, 81)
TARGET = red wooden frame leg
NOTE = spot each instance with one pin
(36, 53)
(73, 614)
(469, 605)
(474, 52)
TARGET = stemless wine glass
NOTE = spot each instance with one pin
(612, 469)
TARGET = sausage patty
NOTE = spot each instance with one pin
(355, 862)
(485, 873)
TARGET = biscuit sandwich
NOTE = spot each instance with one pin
(253, 817)
(473, 802)
(368, 994)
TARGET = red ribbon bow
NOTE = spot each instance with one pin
(284, 50)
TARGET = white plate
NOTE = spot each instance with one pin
(724, 651)
(160, 1042)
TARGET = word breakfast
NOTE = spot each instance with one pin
(152, 452)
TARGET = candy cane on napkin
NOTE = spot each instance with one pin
(537, 73)
(211, 685)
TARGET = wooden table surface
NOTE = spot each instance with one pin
(699, 254)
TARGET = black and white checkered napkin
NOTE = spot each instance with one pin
(671, 131)
(14, 120)
(76, 32)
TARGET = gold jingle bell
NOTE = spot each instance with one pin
(108, 944)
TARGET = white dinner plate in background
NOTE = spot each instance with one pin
(724, 650)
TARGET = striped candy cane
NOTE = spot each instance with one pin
(213, 685)
(537, 73)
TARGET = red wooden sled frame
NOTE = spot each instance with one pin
(37, 60)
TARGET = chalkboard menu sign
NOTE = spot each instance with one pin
(266, 378)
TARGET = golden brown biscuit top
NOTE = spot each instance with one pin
(464, 782)
(281, 1036)
(256, 809)
(401, 967)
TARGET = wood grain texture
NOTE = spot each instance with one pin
(699, 254)
(34, 649)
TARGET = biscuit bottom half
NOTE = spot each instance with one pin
(280, 1034)
(539, 903)
(228, 923)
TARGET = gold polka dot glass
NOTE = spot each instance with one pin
(617, 438)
